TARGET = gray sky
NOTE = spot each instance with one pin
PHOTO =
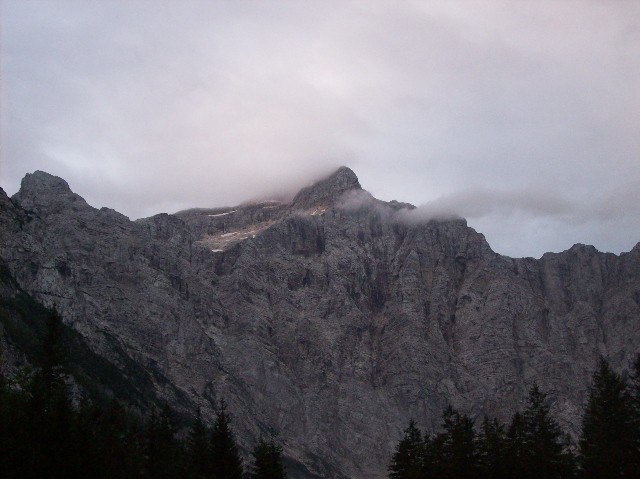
(523, 117)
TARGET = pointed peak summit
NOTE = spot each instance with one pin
(344, 173)
(327, 190)
(39, 180)
(43, 191)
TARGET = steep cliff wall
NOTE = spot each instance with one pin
(333, 319)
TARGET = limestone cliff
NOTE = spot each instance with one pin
(332, 319)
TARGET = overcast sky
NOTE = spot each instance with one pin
(523, 117)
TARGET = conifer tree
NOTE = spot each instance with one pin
(3, 379)
(544, 454)
(152, 448)
(198, 450)
(51, 414)
(635, 383)
(491, 447)
(6, 455)
(515, 452)
(227, 463)
(431, 457)
(53, 356)
(609, 440)
(406, 462)
(163, 452)
(267, 460)
(459, 454)
(17, 447)
(105, 441)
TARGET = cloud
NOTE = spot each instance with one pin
(478, 203)
(155, 106)
(623, 203)
(530, 222)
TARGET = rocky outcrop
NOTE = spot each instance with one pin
(332, 319)
(327, 191)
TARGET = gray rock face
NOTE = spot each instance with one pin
(331, 319)
(327, 191)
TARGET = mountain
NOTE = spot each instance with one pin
(332, 319)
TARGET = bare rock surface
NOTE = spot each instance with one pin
(332, 319)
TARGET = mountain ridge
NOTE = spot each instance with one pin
(331, 319)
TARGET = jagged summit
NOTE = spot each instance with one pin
(42, 189)
(42, 180)
(325, 192)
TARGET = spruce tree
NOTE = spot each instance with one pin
(3, 379)
(635, 383)
(459, 453)
(491, 447)
(198, 450)
(6, 426)
(544, 454)
(515, 451)
(163, 451)
(431, 457)
(227, 463)
(51, 414)
(406, 462)
(609, 440)
(16, 432)
(116, 445)
(267, 460)
(53, 356)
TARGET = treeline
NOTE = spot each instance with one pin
(44, 435)
(533, 445)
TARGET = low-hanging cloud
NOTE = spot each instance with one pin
(517, 214)
(479, 202)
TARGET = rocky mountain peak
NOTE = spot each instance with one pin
(326, 191)
(39, 180)
(41, 190)
(3, 196)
